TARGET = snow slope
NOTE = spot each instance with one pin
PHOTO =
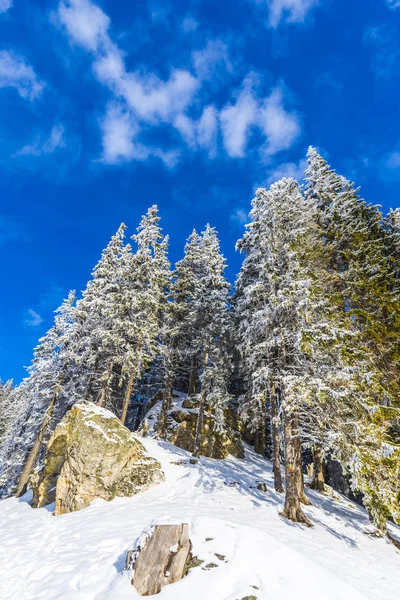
(81, 555)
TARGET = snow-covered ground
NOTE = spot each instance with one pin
(81, 555)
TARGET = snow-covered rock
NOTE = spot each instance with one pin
(181, 427)
(92, 455)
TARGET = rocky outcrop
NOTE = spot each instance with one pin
(92, 455)
(159, 559)
(181, 427)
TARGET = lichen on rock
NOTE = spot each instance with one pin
(92, 455)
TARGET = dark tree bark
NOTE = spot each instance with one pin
(276, 459)
(193, 378)
(89, 390)
(101, 401)
(200, 417)
(165, 405)
(293, 473)
(318, 481)
(131, 381)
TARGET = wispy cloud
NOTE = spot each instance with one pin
(239, 217)
(5, 5)
(189, 24)
(290, 169)
(393, 3)
(142, 101)
(393, 160)
(16, 73)
(38, 147)
(383, 40)
(214, 55)
(237, 119)
(32, 319)
(290, 11)
(119, 144)
(280, 127)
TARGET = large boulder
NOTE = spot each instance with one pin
(92, 455)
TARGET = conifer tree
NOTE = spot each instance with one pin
(364, 292)
(39, 394)
(147, 274)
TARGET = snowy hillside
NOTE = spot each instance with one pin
(233, 525)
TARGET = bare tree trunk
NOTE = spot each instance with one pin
(200, 418)
(30, 463)
(292, 509)
(103, 392)
(193, 378)
(275, 441)
(166, 404)
(318, 481)
(129, 387)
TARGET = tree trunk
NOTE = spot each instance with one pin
(318, 481)
(88, 392)
(193, 378)
(292, 509)
(275, 441)
(199, 424)
(129, 387)
(103, 392)
(302, 494)
(166, 404)
(30, 463)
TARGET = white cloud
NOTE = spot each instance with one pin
(237, 119)
(291, 11)
(201, 133)
(5, 5)
(281, 128)
(33, 319)
(120, 132)
(290, 170)
(53, 142)
(393, 3)
(86, 24)
(144, 100)
(16, 73)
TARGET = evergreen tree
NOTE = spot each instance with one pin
(146, 282)
(39, 394)
(364, 296)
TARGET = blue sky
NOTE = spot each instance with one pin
(109, 107)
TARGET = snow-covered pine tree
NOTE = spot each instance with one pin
(146, 276)
(6, 407)
(98, 335)
(287, 335)
(39, 394)
(200, 325)
(250, 302)
(365, 296)
(212, 323)
(184, 289)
